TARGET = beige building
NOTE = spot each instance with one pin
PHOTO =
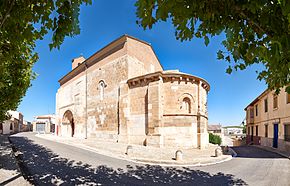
(122, 93)
(268, 120)
(27, 126)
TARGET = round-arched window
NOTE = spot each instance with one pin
(186, 106)
(102, 86)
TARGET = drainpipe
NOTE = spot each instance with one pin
(118, 110)
(86, 121)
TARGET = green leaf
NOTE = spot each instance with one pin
(287, 89)
(255, 31)
(229, 70)
(206, 40)
(228, 58)
(220, 55)
(27, 22)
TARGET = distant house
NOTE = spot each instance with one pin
(27, 126)
(218, 129)
(12, 125)
(233, 130)
(215, 129)
(44, 124)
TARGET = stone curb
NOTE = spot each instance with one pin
(179, 164)
(233, 152)
(142, 161)
(270, 149)
(15, 179)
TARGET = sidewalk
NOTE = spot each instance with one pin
(144, 154)
(271, 149)
(9, 170)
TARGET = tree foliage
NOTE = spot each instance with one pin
(256, 31)
(22, 23)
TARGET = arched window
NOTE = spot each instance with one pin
(102, 86)
(186, 105)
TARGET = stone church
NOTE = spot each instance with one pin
(122, 93)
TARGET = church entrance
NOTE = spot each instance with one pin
(69, 121)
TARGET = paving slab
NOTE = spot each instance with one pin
(9, 171)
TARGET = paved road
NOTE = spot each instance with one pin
(51, 163)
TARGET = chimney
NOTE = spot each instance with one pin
(77, 61)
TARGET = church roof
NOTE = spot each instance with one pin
(112, 47)
(173, 75)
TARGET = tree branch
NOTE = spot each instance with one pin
(7, 14)
(252, 22)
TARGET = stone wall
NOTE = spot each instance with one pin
(138, 120)
(113, 65)
(143, 53)
(72, 97)
(168, 110)
(282, 145)
(103, 109)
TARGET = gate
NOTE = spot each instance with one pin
(40, 127)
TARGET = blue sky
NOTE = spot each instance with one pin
(107, 20)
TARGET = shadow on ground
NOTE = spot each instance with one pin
(9, 170)
(43, 167)
(255, 152)
(6, 156)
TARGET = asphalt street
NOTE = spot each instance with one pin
(49, 163)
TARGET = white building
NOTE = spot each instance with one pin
(44, 124)
(233, 130)
(13, 124)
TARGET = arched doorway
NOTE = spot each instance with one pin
(69, 120)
